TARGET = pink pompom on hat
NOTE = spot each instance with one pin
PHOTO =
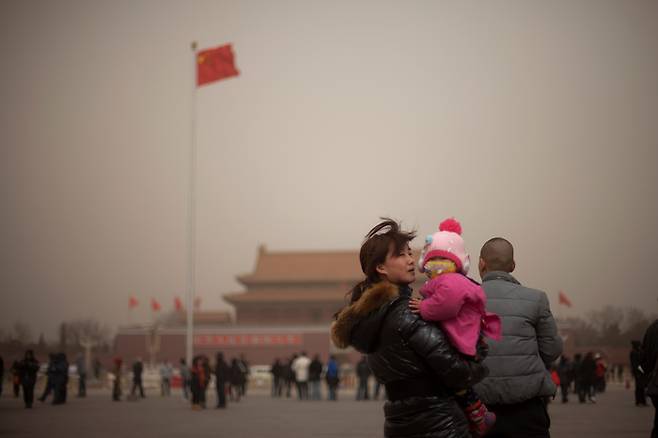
(448, 244)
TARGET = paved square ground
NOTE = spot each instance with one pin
(614, 416)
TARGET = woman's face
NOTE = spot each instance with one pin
(398, 268)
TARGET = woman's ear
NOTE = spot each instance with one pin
(381, 269)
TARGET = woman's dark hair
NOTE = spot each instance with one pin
(384, 237)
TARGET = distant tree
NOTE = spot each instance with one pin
(607, 319)
(610, 325)
(636, 323)
(80, 331)
(584, 333)
(611, 335)
(62, 336)
(42, 342)
(21, 333)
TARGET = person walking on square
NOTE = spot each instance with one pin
(166, 371)
(300, 367)
(600, 371)
(244, 368)
(362, 374)
(649, 362)
(314, 376)
(289, 376)
(639, 377)
(205, 363)
(198, 383)
(50, 373)
(412, 357)
(60, 379)
(332, 376)
(116, 384)
(565, 372)
(587, 373)
(16, 378)
(138, 369)
(519, 382)
(186, 379)
(577, 377)
(28, 369)
(82, 375)
(276, 370)
(236, 380)
(222, 376)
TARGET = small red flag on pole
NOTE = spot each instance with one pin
(563, 299)
(215, 64)
(132, 302)
(155, 306)
(178, 304)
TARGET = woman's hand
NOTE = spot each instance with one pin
(414, 305)
(482, 349)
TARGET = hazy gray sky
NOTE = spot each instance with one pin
(536, 121)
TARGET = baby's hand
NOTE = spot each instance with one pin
(414, 305)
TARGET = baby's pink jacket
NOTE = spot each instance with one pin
(458, 304)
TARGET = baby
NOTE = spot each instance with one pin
(457, 303)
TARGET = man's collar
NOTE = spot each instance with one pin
(499, 275)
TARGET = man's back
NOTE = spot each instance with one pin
(518, 362)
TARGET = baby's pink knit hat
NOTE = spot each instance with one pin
(448, 243)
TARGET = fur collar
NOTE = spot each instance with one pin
(372, 299)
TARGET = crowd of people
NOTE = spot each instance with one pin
(24, 375)
(468, 359)
(584, 376)
(305, 375)
(229, 379)
(298, 377)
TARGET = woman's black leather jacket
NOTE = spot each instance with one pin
(413, 358)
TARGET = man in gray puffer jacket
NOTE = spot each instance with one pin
(518, 381)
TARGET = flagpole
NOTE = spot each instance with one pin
(191, 222)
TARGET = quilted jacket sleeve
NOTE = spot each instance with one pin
(550, 343)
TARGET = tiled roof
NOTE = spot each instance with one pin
(305, 266)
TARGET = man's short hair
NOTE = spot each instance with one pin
(498, 254)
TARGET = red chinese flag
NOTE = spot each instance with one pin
(178, 304)
(155, 306)
(563, 299)
(215, 64)
(132, 302)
